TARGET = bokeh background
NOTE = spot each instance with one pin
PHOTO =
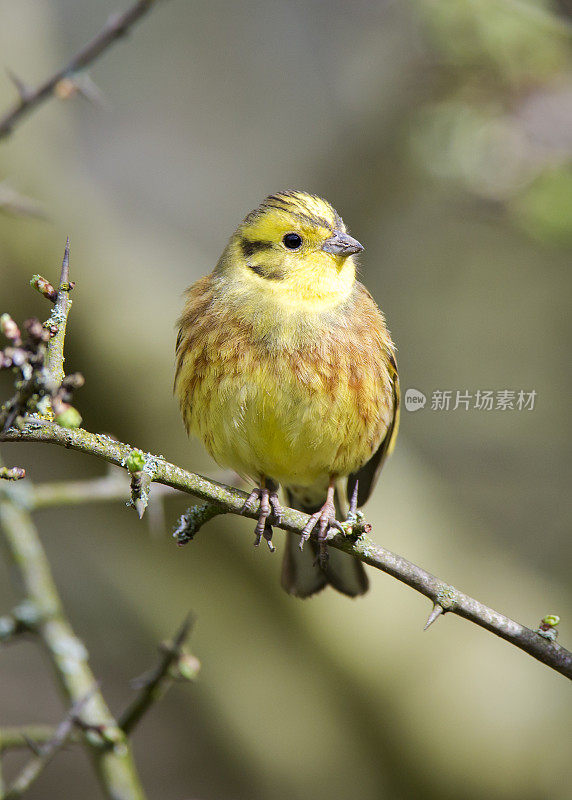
(442, 132)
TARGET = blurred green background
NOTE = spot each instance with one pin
(442, 132)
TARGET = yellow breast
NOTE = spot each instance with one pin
(311, 400)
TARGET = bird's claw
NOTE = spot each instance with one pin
(324, 519)
(269, 507)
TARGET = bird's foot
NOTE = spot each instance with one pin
(269, 508)
(324, 519)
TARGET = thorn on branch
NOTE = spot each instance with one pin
(65, 272)
(12, 202)
(193, 519)
(43, 754)
(140, 488)
(175, 664)
(65, 82)
(18, 737)
(436, 612)
(142, 468)
(24, 91)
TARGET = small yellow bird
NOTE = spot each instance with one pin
(286, 371)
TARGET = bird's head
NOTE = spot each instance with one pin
(293, 248)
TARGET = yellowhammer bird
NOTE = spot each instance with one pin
(286, 371)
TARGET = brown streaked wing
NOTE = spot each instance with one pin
(369, 473)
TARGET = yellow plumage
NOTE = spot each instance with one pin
(285, 369)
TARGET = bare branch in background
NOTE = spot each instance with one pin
(111, 487)
(45, 753)
(22, 737)
(18, 205)
(108, 748)
(112, 756)
(62, 82)
(175, 665)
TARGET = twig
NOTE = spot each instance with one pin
(58, 320)
(232, 500)
(18, 205)
(222, 499)
(109, 749)
(21, 620)
(35, 385)
(44, 754)
(193, 519)
(114, 764)
(67, 493)
(155, 683)
(117, 26)
(19, 737)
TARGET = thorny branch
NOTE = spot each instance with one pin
(21, 737)
(230, 500)
(44, 754)
(65, 81)
(355, 541)
(37, 360)
(174, 665)
(104, 740)
(38, 365)
(45, 614)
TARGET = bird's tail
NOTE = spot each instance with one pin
(303, 575)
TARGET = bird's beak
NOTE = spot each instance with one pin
(341, 244)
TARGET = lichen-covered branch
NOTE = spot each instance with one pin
(450, 599)
(37, 360)
(117, 25)
(104, 739)
(109, 750)
(58, 322)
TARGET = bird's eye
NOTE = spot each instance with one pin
(292, 241)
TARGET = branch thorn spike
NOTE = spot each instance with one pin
(436, 612)
(353, 501)
(21, 88)
(140, 506)
(65, 273)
